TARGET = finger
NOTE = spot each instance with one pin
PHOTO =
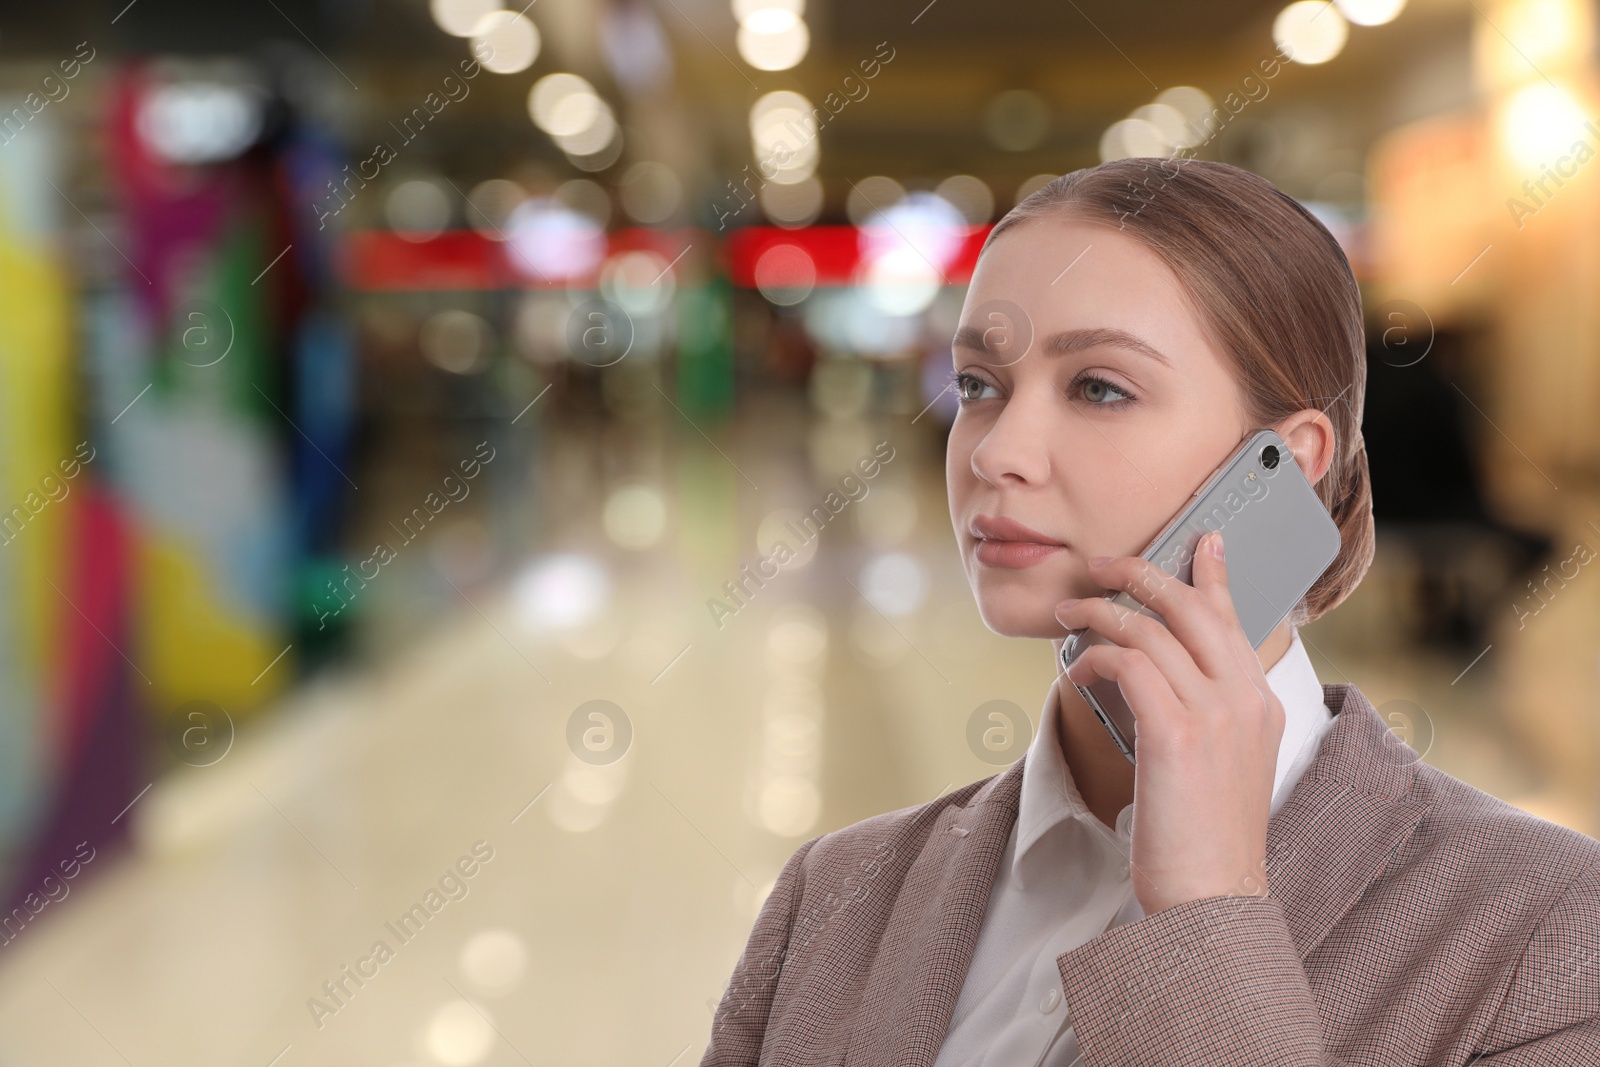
(1127, 628)
(1211, 579)
(1211, 576)
(1186, 611)
(1143, 686)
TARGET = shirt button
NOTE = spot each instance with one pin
(1051, 999)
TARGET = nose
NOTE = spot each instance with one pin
(1016, 450)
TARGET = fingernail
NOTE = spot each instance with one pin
(1098, 560)
(1065, 604)
(1216, 545)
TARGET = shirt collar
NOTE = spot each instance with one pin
(1049, 795)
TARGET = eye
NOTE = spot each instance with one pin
(1095, 388)
(962, 382)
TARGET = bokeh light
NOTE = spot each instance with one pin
(1539, 123)
(651, 192)
(1370, 12)
(1032, 184)
(1017, 120)
(418, 210)
(459, 1034)
(640, 282)
(1310, 31)
(1133, 137)
(490, 204)
(783, 134)
(743, 9)
(785, 274)
(460, 18)
(792, 204)
(871, 195)
(969, 195)
(635, 517)
(560, 591)
(772, 38)
(510, 41)
(494, 960)
(456, 341)
(199, 122)
(564, 105)
(895, 583)
(549, 240)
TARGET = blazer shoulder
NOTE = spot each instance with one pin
(879, 838)
(1487, 839)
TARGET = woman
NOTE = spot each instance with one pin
(1279, 881)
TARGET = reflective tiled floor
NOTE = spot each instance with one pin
(541, 899)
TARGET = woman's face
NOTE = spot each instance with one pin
(1092, 406)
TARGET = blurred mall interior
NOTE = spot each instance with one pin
(389, 389)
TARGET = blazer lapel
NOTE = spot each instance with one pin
(1328, 841)
(1344, 819)
(927, 945)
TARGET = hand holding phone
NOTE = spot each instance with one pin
(1181, 650)
(1280, 541)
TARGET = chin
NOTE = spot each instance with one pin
(1020, 613)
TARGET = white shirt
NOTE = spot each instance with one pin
(1064, 880)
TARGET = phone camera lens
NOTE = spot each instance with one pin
(1269, 457)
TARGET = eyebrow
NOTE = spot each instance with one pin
(1070, 341)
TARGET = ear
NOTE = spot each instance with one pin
(1309, 435)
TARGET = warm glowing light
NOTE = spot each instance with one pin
(1194, 105)
(792, 205)
(1132, 137)
(789, 805)
(1370, 12)
(592, 138)
(510, 40)
(460, 18)
(459, 1034)
(1310, 31)
(634, 517)
(1169, 122)
(743, 9)
(783, 134)
(1540, 123)
(1522, 41)
(773, 38)
(494, 959)
(563, 104)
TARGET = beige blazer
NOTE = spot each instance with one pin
(1411, 919)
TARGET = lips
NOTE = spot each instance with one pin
(1008, 543)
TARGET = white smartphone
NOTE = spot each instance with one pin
(1279, 537)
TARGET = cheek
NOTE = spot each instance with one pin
(958, 459)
